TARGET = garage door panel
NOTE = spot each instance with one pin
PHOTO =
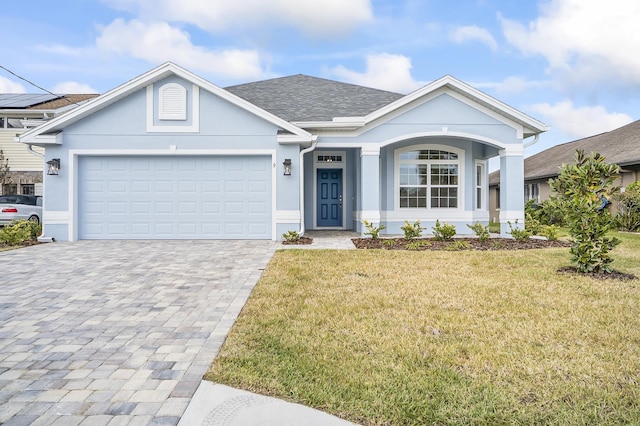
(174, 197)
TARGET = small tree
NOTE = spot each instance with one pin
(583, 190)
(4, 170)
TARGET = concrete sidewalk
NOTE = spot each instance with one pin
(218, 405)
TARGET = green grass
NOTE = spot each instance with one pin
(404, 337)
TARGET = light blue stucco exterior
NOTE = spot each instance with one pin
(451, 117)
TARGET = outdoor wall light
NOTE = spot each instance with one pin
(287, 166)
(54, 166)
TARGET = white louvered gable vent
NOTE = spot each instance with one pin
(173, 102)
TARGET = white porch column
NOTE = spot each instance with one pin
(511, 187)
(370, 184)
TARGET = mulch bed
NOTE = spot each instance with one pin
(473, 244)
(24, 244)
(301, 240)
(613, 275)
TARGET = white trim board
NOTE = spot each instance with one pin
(74, 155)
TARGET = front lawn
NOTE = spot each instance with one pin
(401, 337)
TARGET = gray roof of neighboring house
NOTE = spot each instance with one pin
(40, 101)
(24, 100)
(620, 146)
(303, 98)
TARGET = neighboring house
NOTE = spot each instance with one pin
(620, 146)
(169, 155)
(18, 113)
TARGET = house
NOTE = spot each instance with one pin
(18, 113)
(169, 155)
(620, 146)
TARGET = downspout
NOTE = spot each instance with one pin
(37, 154)
(302, 153)
(535, 139)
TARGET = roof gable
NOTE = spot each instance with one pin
(462, 91)
(297, 135)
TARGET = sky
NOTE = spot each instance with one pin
(572, 64)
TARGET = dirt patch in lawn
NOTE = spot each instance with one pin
(613, 275)
(455, 244)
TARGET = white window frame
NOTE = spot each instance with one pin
(437, 211)
(532, 192)
(480, 184)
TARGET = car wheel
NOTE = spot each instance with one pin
(34, 218)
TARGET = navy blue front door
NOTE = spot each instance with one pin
(329, 197)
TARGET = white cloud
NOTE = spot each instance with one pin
(590, 40)
(384, 71)
(8, 86)
(512, 84)
(318, 18)
(473, 33)
(158, 42)
(579, 122)
(68, 87)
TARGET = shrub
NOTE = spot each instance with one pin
(520, 235)
(548, 212)
(390, 242)
(532, 224)
(583, 189)
(417, 244)
(20, 231)
(628, 217)
(458, 245)
(291, 236)
(481, 231)
(372, 229)
(443, 232)
(412, 231)
(550, 231)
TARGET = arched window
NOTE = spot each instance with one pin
(428, 178)
(172, 102)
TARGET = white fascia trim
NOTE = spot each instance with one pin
(40, 139)
(140, 82)
(74, 154)
(468, 91)
(344, 123)
(195, 114)
(287, 216)
(285, 139)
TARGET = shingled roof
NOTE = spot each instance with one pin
(300, 98)
(63, 101)
(620, 146)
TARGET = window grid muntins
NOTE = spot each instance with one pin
(329, 158)
(428, 179)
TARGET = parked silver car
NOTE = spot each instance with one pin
(19, 207)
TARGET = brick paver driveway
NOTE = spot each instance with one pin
(116, 332)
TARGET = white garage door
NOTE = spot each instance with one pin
(217, 197)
